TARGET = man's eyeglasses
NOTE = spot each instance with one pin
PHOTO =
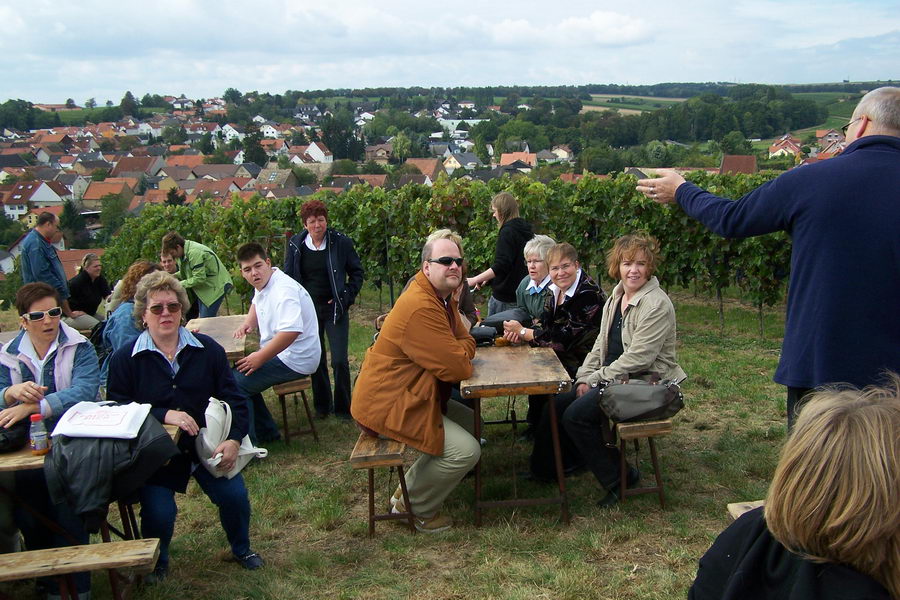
(174, 307)
(38, 315)
(447, 261)
(847, 126)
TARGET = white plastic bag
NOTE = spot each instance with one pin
(218, 424)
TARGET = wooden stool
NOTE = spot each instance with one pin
(292, 387)
(637, 431)
(371, 452)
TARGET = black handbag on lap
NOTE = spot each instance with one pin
(639, 400)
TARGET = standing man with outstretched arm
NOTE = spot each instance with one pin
(200, 271)
(843, 215)
(325, 263)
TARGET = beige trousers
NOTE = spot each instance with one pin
(431, 478)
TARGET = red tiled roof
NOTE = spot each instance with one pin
(507, 158)
(738, 163)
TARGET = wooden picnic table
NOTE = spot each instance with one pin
(221, 329)
(518, 370)
(23, 459)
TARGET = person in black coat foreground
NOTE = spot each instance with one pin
(831, 524)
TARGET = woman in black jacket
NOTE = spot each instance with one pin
(86, 291)
(830, 528)
(509, 267)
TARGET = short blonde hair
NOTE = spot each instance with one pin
(834, 495)
(441, 234)
(627, 247)
(157, 281)
(506, 206)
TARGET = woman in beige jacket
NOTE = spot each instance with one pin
(637, 338)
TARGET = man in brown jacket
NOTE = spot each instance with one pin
(403, 390)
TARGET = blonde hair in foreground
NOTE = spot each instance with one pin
(835, 496)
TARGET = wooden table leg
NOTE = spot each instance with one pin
(477, 410)
(557, 456)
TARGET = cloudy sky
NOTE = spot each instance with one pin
(52, 50)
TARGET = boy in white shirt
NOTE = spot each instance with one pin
(288, 336)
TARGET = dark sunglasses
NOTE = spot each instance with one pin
(447, 261)
(38, 315)
(174, 307)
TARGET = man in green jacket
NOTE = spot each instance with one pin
(200, 271)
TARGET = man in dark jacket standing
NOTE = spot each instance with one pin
(842, 215)
(324, 262)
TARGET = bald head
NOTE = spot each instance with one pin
(878, 113)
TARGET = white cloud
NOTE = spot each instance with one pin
(99, 48)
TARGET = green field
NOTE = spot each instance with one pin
(309, 507)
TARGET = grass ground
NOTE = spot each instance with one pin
(309, 506)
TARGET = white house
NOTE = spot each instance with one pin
(268, 131)
(319, 152)
(232, 131)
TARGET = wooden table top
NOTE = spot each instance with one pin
(222, 329)
(23, 460)
(514, 371)
(6, 336)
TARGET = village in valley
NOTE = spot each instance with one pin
(188, 150)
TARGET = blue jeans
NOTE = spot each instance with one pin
(495, 306)
(262, 426)
(338, 339)
(158, 511)
(212, 310)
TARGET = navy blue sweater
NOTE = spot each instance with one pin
(843, 215)
(202, 372)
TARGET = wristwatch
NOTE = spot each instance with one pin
(522, 333)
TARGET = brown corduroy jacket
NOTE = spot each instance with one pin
(397, 393)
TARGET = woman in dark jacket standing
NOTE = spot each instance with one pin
(509, 261)
(324, 262)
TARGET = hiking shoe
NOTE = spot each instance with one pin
(158, 575)
(632, 477)
(436, 524)
(251, 561)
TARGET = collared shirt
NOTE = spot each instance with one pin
(27, 348)
(569, 292)
(185, 338)
(309, 243)
(537, 288)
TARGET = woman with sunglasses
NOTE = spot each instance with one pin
(47, 368)
(176, 372)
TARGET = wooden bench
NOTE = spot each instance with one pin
(736, 509)
(139, 556)
(282, 390)
(637, 431)
(370, 453)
